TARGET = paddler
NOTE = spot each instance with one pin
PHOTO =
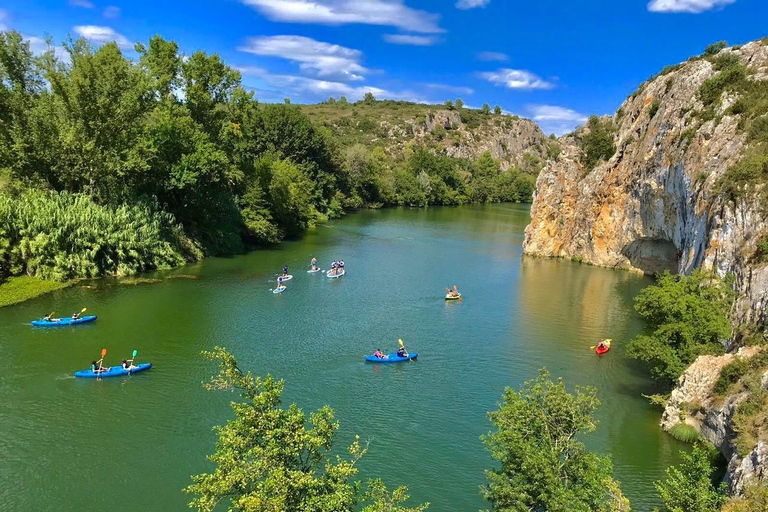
(285, 270)
(313, 263)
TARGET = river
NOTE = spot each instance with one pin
(132, 443)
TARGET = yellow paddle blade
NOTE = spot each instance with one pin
(592, 347)
(83, 310)
(400, 342)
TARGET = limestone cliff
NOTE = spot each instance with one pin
(654, 204)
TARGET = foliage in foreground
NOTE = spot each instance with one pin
(755, 500)
(689, 487)
(543, 465)
(270, 458)
(688, 317)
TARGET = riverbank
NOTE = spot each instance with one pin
(22, 288)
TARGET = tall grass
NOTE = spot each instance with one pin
(59, 236)
(685, 433)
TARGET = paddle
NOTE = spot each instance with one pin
(400, 341)
(101, 361)
(133, 357)
(594, 346)
(456, 290)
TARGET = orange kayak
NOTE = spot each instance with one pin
(605, 348)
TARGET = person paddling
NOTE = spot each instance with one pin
(75, 315)
(333, 269)
(341, 265)
(378, 353)
(280, 282)
(401, 352)
(285, 270)
(96, 366)
(313, 263)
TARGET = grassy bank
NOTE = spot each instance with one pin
(19, 289)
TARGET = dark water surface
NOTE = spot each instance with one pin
(131, 443)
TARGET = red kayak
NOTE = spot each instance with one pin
(600, 350)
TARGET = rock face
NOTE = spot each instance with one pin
(694, 403)
(653, 205)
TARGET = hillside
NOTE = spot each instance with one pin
(677, 180)
(458, 132)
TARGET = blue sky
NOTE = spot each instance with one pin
(554, 61)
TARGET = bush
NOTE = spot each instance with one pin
(715, 48)
(597, 142)
(729, 78)
(689, 488)
(655, 105)
(730, 375)
(685, 433)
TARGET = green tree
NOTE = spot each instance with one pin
(290, 191)
(208, 85)
(163, 64)
(459, 104)
(597, 141)
(543, 464)
(270, 458)
(331, 101)
(497, 110)
(343, 101)
(715, 48)
(449, 104)
(688, 316)
(287, 101)
(485, 171)
(486, 110)
(689, 488)
(369, 99)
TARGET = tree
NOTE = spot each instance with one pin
(597, 141)
(449, 104)
(343, 101)
(688, 316)
(689, 488)
(163, 63)
(715, 48)
(331, 101)
(459, 103)
(497, 110)
(485, 170)
(270, 458)
(369, 99)
(543, 464)
(208, 84)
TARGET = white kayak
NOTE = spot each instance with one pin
(287, 278)
(339, 273)
(313, 271)
(279, 289)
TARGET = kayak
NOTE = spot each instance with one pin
(287, 278)
(313, 271)
(334, 276)
(391, 358)
(113, 371)
(602, 350)
(61, 322)
(451, 297)
(279, 289)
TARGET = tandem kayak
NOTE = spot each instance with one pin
(602, 350)
(61, 322)
(452, 297)
(334, 276)
(113, 371)
(279, 289)
(391, 358)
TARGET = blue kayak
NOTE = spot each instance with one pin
(391, 358)
(112, 371)
(61, 322)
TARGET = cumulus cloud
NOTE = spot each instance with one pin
(85, 4)
(410, 39)
(689, 6)
(554, 119)
(471, 4)
(112, 12)
(102, 35)
(392, 13)
(517, 79)
(314, 89)
(314, 57)
(492, 56)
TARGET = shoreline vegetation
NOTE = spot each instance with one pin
(112, 167)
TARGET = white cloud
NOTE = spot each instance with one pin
(102, 35)
(517, 79)
(4, 17)
(392, 13)
(689, 6)
(313, 89)
(112, 12)
(471, 4)
(316, 57)
(453, 89)
(554, 119)
(86, 4)
(492, 56)
(410, 39)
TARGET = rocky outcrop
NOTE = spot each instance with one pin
(654, 204)
(694, 403)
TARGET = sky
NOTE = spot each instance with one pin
(553, 61)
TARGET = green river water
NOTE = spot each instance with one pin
(131, 443)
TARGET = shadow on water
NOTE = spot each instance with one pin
(518, 315)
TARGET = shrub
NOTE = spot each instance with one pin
(685, 433)
(597, 142)
(730, 375)
(761, 249)
(655, 105)
(712, 89)
(715, 48)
